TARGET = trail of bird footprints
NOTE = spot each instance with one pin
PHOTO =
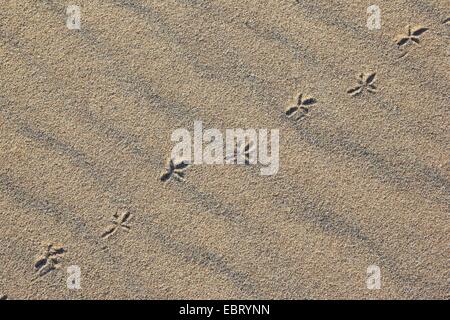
(366, 82)
(49, 260)
(301, 108)
(119, 221)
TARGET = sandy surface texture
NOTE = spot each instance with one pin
(86, 118)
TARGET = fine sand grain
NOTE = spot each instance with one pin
(86, 118)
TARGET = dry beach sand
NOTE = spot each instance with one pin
(86, 118)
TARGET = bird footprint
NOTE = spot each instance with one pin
(365, 82)
(49, 260)
(412, 36)
(239, 150)
(175, 169)
(301, 108)
(119, 220)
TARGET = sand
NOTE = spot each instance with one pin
(86, 118)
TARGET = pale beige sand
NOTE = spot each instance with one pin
(85, 124)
